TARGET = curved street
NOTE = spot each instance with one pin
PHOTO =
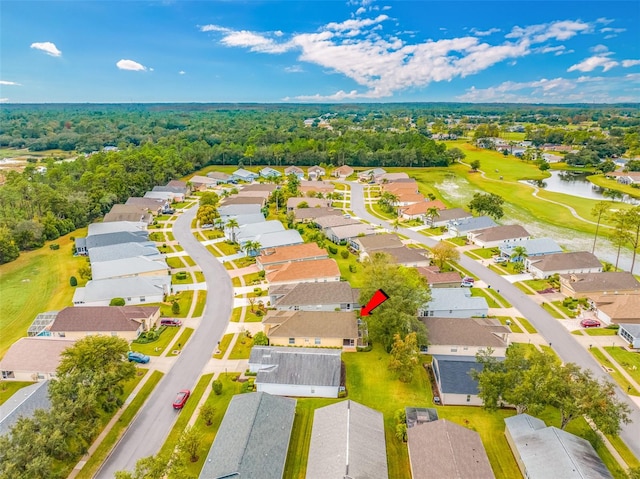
(149, 430)
(563, 343)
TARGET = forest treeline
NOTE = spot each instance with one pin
(157, 143)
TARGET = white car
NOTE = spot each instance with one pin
(499, 260)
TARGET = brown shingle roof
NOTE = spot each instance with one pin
(260, 187)
(312, 213)
(566, 261)
(298, 252)
(404, 255)
(312, 324)
(447, 450)
(504, 232)
(435, 277)
(596, 282)
(35, 354)
(462, 332)
(313, 270)
(422, 207)
(375, 242)
(331, 221)
(619, 307)
(243, 200)
(334, 292)
(311, 202)
(321, 186)
(102, 318)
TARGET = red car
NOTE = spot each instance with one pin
(181, 399)
(590, 323)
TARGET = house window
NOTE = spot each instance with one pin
(431, 313)
(468, 397)
(306, 340)
(142, 299)
(454, 350)
(296, 308)
(292, 340)
(128, 300)
(62, 335)
(317, 341)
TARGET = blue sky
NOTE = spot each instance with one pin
(319, 51)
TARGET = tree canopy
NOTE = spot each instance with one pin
(487, 204)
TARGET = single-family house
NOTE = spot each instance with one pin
(404, 198)
(443, 449)
(563, 263)
(243, 219)
(315, 173)
(294, 170)
(255, 187)
(630, 333)
(309, 215)
(533, 247)
(219, 177)
(372, 174)
(268, 172)
(278, 238)
(250, 231)
(458, 228)
(33, 358)
(132, 213)
(364, 246)
(466, 337)
(419, 210)
(244, 175)
(235, 210)
(96, 229)
(85, 245)
(498, 235)
(245, 199)
(342, 234)
(590, 284)
(125, 250)
(178, 193)
(134, 290)
(164, 196)
(179, 186)
(400, 186)
(543, 451)
(438, 279)
(297, 372)
(295, 202)
(342, 172)
(332, 296)
(444, 217)
(347, 441)
(253, 438)
(22, 404)
(405, 256)
(126, 322)
(285, 254)
(129, 267)
(154, 206)
(202, 183)
(616, 308)
(454, 381)
(317, 186)
(454, 303)
(312, 271)
(330, 221)
(391, 177)
(320, 329)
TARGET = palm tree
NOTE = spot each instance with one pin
(518, 254)
(232, 224)
(252, 247)
(598, 210)
(219, 223)
(432, 213)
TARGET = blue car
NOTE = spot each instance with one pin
(138, 357)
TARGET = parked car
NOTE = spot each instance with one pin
(181, 399)
(499, 260)
(138, 357)
(169, 211)
(467, 282)
(589, 323)
(170, 322)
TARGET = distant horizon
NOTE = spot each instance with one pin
(543, 52)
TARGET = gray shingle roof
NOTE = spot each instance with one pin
(23, 403)
(319, 293)
(107, 289)
(253, 229)
(278, 238)
(455, 299)
(333, 220)
(253, 438)
(349, 231)
(135, 266)
(504, 232)
(35, 354)
(454, 374)
(297, 366)
(124, 250)
(311, 213)
(471, 224)
(404, 254)
(534, 247)
(462, 332)
(102, 318)
(379, 241)
(609, 281)
(347, 440)
(115, 227)
(452, 214)
(232, 210)
(109, 239)
(550, 452)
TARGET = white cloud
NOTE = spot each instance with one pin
(47, 47)
(484, 33)
(4, 100)
(131, 65)
(599, 49)
(360, 11)
(630, 63)
(591, 63)
(294, 69)
(383, 63)
(182, 72)
(612, 30)
(9, 83)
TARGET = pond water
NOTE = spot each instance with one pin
(573, 183)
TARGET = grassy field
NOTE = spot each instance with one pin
(182, 340)
(241, 348)
(614, 372)
(8, 389)
(157, 347)
(513, 325)
(527, 325)
(175, 262)
(201, 300)
(224, 344)
(100, 454)
(36, 282)
(626, 359)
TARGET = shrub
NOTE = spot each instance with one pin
(260, 339)
(54, 246)
(352, 268)
(73, 282)
(117, 302)
(333, 249)
(217, 387)
(344, 253)
(261, 274)
(175, 308)
(181, 275)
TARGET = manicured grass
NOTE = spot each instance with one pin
(201, 300)
(223, 345)
(214, 251)
(189, 260)
(118, 429)
(235, 314)
(213, 234)
(537, 284)
(355, 277)
(571, 313)
(498, 297)
(522, 287)
(220, 404)
(199, 276)
(241, 348)
(244, 261)
(182, 340)
(184, 299)
(187, 280)
(614, 372)
(527, 325)
(600, 332)
(235, 282)
(175, 262)
(250, 317)
(36, 282)
(8, 388)
(170, 236)
(628, 360)
(252, 278)
(460, 241)
(483, 293)
(552, 311)
(514, 326)
(485, 253)
(157, 236)
(157, 347)
(227, 248)
(624, 451)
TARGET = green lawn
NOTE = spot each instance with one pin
(537, 284)
(227, 248)
(514, 326)
(522, 287)
(570, 313)
(199, 276)
(118, 429)
(252, 278)
(628, 360)
(354, 277)
(224, 344)
(175, 262)
(201, 300)
(498, 297)
(484, 253)
(170, 236)
(36, 282)
(188, 260)
(527, 325)
(157, 236)
(614, 372)
(244, 261)
(483, 293)
(599, 331)
(8, 388)
(182, 340)
(552, 311)
(241, 348)
(187, 280)
(214, 251)
(157, 347)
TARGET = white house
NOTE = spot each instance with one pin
(454, 303)
(498, 235)
(563, 263)
(315, 173)
(134, 290)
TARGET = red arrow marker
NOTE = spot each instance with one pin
(378, 298)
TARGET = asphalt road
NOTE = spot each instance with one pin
(150, 428)
(563, 343)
